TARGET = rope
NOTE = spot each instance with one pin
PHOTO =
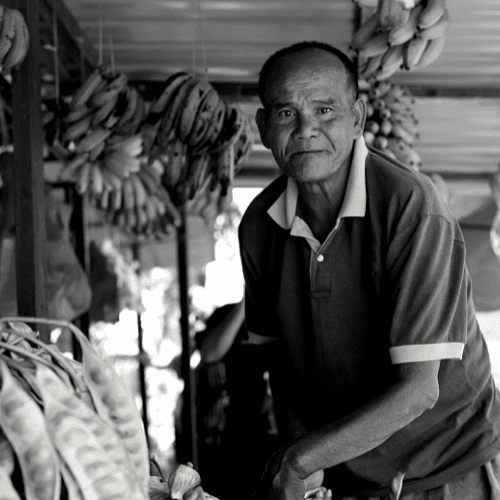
(100, 34)
(56, 52)
(199, 27)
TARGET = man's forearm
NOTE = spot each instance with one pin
(414, 392)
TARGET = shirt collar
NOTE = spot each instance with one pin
(284, 209)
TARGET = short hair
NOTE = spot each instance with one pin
(350, 67)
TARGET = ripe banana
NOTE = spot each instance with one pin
(77, 130)
(140, 192)
(90, 141)
(391, 13)
(401, 133)
(203, 118)
(7, 32)
(369, 137)
(85, 91)
(404, 153)
(71, 167)
(431, 13)
(96, 152)
(436, 30)
(372, 126)
(128, 194)
(76, 114)
(380, 142)
(374, 46)
(214, 128)
(432, 51)
(83, 180)
(409, 122)
(191, 106)
(132, 100)
(198, 169)
(391, 62)
(103, 112)
(111, 179)
(110, 91)
(413, 51)
(405, 32)
(379, 89)
(385, 127)
(96, 182)
(233, 125)
(129, 145)
(365, 32)
(372, 64)
(20, 43)
(399, 97)
(121, 164)
(131, 126)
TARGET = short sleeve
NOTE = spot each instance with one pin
(428, 291)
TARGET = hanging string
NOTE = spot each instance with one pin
(202, 38)
(82, 57)
(56, 52)
(100, 34)
(111, 49)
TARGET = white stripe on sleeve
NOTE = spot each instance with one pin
(426, 352)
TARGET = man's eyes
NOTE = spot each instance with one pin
(287, 113)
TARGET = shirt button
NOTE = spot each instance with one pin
(320, 258)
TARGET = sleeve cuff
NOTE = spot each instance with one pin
(426, 352)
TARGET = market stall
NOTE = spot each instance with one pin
(147, 152)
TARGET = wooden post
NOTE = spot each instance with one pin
(28, 174)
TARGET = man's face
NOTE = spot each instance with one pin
(310, 120)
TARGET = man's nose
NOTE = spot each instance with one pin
(306, 127)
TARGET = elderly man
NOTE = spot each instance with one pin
(355, 267)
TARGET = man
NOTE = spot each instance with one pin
(354, 265)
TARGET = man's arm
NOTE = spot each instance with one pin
(414, 391)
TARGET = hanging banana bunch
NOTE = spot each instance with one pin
(14, 39)
(196, 136)
(400, 34)
(391, 125)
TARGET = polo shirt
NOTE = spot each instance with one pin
(388, 285)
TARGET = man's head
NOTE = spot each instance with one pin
(311, 113)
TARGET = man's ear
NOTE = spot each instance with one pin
(359, 112)
(261, 120)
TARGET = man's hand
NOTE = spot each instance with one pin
(279, 481)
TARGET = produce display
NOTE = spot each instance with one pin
(140, 162)
(14, 39)
(71, 430)
(398, 35)
(391, 125)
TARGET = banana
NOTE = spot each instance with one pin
(379, 104)
(214, 128)
(371, 65)
(370, 110)
(398, 107)
(380, 142)
(140, 192)
(391, 62)
(142, 218)
(413, 51)
(234, 123)
(385, 114)
(20, 43)
(401, 133)
(121, 164)
(70, 168)
(380, 89)
(391, 13)
(104, 198)
(149, 179)
(409, 122)
(191, 106)
(432, 51)
(404, 153)
(77, 130)
(130, 145)
(110, 91)
(7, 32)
(399, 98)
(171, 211)
(83, 180)
(132, 100)
(85, 91)
(117, 199)
(405, 32)
(169, 124)
(111, 179)
(374, 46)
(159, 107)
(198, 169)
(76, 114)
(431, 13)
(128, 194)
(130, 127)
(372, 126)
(103, 112)
(385, 127)
(203, 118)
(90, 141)
(176, 165)
(365, 32)
(96, 152)
(437, 30)
(96, 180)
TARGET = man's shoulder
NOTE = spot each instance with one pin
(259, 206)
(394, 185)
